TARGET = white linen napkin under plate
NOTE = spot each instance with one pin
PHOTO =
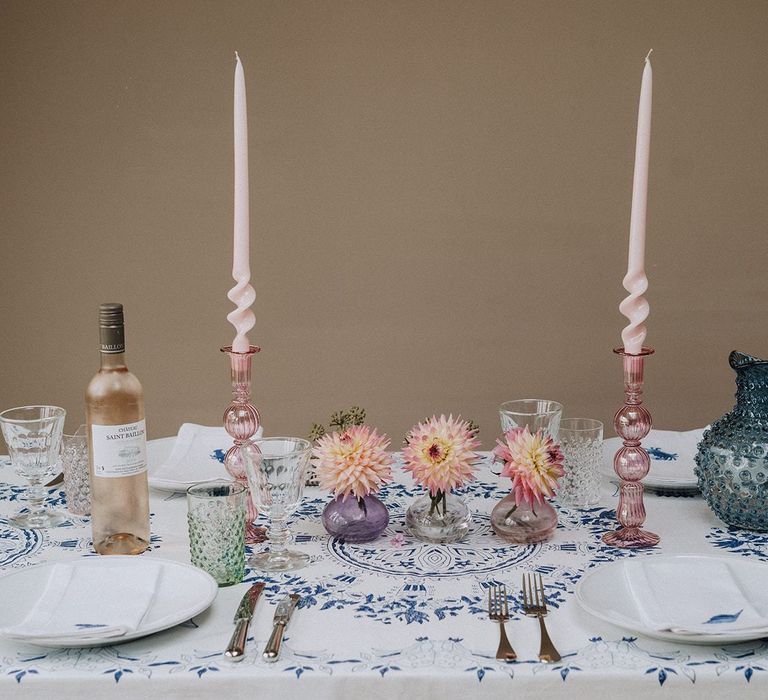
(197, 456)
(88, 602)
(688, 595)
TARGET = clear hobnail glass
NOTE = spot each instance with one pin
(537, 414)
(277, 470)
(442, 521)
(581, 441)
(356, 519)
(732, 458)
(74, 465)
(33, 436)
(524, 523)
(216, 519)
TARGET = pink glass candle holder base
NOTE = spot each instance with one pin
(631, 462)
(241, 421)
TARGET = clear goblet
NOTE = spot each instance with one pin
(33, 436)
(277, 469)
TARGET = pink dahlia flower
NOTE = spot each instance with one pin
(354, 461)
(533, 462)
(440, 453)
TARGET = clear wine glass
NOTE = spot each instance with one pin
(277, 469)
(33, 436)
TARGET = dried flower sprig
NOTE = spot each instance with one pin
(340, 421)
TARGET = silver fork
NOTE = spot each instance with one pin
(498, 610)
(535, 605)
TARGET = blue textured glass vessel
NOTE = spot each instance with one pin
(356, 520)
(732, 460)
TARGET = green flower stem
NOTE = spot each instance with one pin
(514, 508)
(435, 501)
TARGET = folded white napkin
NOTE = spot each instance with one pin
(691, 596)
(197, 456)
(88, 602)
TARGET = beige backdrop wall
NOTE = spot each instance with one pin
(440, 197)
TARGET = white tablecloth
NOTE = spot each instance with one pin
(380, 620)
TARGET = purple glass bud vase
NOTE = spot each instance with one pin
(356, 520)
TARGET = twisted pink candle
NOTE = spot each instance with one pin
(242, 294)
(635, 307)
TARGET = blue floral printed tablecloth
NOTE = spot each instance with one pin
(393, 618)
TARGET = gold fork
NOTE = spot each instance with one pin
(498, 610)
(535, 605)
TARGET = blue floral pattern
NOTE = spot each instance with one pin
(416, 583)
(389, 612)
(744, 542)
(16, 543)
(658, 453)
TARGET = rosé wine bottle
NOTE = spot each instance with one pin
(114, 405)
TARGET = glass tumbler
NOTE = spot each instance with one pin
(33, 436)
(535, 413)
(277, 469)
(581, 440)
(74, 464)
(216, 519)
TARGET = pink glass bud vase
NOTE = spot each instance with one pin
(354, 519)
(524, 523)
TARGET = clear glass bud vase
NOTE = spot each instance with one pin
(440, 519)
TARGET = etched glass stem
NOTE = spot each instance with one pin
(631, 462)
(279, 536)
(36, 500)
(241, 421)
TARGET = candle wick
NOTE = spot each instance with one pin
(649, 55)
(237, 56)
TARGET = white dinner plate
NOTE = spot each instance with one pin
(183, 591)
(672, 460)
(604, 593)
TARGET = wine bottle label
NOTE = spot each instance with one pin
(119, 450)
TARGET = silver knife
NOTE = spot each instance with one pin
(236, 647)
(283, 613)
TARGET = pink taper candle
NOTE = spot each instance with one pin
(242, 294)
(635, 306)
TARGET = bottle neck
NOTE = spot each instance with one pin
(113, 360)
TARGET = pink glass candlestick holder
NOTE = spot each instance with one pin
(241, 421)
(631, 462)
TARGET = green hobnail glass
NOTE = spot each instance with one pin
(216, 519)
